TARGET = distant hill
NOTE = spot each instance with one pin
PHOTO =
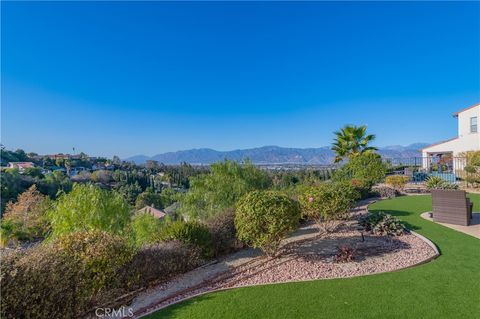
(270, 155)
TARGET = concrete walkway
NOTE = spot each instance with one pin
(472, 230)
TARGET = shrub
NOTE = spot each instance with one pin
(145, 229)
(88, 207)
(191, 233)
(345, 254)
(382, 224)
(327, 202)
(362, 187)
(386, 192)
(149, 198)
(63, 278)
(97, 253)
(222, 230)
(396, 181)
(26, 219)
(159, 262)
(368, 168)
(210, 194)
(435, 182)
(264, 218)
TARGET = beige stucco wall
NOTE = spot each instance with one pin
(466, 141)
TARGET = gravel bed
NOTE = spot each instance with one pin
(306, 255)
(314, 258)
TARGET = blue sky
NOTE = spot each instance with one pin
(146, 78)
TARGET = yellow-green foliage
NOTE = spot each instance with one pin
(264, 218)
(471, 172)
(88, 207)
(397, 181)
(145, 229)
(210, 194)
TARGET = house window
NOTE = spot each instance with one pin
(473, 125)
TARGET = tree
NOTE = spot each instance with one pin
(264, 218)
(88, 207)
(211, 194)
(151, 165)
(102, 176)
(33, 172)
(28, 215)
(130, 192)
(10, 186)
(116, 160)
(12, 156)
(149, 198)
(55, 183)
(352, 141)
(367, 167)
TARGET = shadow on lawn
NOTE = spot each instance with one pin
(398, 213)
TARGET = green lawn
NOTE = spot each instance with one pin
(448, 287)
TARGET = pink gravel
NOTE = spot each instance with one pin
(313, 258)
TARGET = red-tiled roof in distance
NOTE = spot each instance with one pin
(152, 211)
(465, 109)
(22, 164)
(435, 144)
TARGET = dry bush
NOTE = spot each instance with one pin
(159, 262)
(60, 279)
(222, 230)
(397, 181)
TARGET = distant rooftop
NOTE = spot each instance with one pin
(158, 213)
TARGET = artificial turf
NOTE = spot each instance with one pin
(448, 287)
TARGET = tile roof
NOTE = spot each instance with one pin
(152, 211)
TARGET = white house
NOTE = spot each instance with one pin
(21, 165)
(468, 138)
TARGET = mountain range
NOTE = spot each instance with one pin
(270, 155)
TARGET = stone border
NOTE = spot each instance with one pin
(423, 238)
(429, 243)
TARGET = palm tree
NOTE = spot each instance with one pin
(352, 141)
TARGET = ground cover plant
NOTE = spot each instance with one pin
(435, 182)
(433, 290)
(382, 224)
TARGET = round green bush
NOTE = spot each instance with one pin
(191, 233)
(264, 218)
